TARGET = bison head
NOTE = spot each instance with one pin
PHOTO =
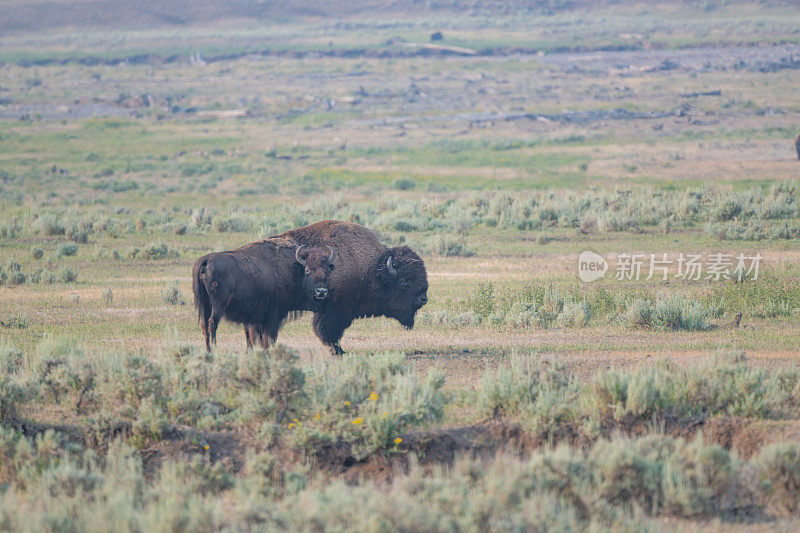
(404, 284)
(316, 263)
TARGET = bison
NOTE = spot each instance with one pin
(797, 146)
(370, 279)
(259, 285)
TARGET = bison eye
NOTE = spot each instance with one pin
(331, 267)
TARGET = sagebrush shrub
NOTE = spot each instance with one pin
(67, 275)
(159, 250)
(447, 247)
(574, 315)
(49, 225)
(369, 402)
(671, 313)
(66, 249)
(778, 467)
(173, 295)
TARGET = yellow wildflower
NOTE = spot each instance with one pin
(295, 420)
(398, 440)
(292, 425)
(316, 416)
(347, 403)
(373, 397)
(206, 447)
(384, 414)
(358, 421)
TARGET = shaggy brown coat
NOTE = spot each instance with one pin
(369, 279)
(259, 285)
(797, 146)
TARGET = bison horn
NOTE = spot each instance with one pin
(389, 267)
(332, 256)
(297, 255)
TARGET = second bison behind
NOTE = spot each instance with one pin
(369, 279)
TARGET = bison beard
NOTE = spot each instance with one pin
(370, 279)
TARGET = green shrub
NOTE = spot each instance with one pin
(574, 315)
(49, 225)
(724, 385)
(231, 224)
(447, 247)
(151, 423)
(67, 275)
(542, 396)
(663, 475)
(78, 233)
(10, 228)
(36, 252)
(778, 467)
(43, 276)
(482, 301)
(173, 295)
(158, 250)
(10, 358)
(676, 312)
(16, 277)
(66, 249)
(671, 313)
(404, 184)
(368, 402)
(638, 314)
(727, 210)
(12, 393)
(404, 226)
(523, 314)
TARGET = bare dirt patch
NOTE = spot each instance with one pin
(485, 440)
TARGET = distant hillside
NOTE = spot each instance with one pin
(19, 16)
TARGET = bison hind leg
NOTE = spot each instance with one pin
(250, 334)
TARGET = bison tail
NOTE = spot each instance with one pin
(202, 302)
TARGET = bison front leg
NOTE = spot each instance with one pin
(329, 327)
(255, 335)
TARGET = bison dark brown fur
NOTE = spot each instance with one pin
(797, 146)
(259, 285)
(370, 279)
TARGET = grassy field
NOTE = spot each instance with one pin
(524, 398)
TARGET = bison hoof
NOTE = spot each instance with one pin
(337, 350)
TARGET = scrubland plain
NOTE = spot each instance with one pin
(524, 397)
